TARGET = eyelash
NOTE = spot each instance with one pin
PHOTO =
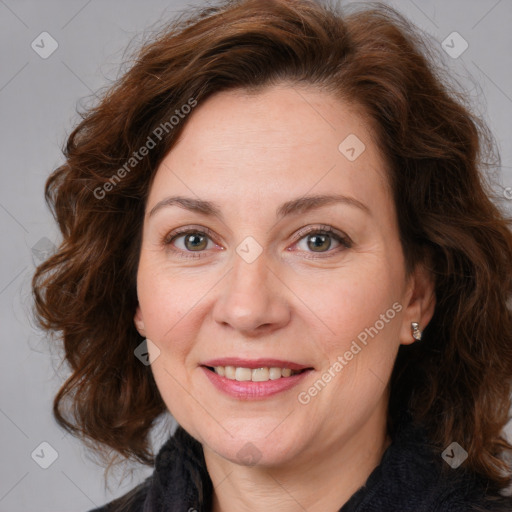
(317, 230)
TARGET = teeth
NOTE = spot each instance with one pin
(275, 373)
(253, 374)
(243, 374)
(261, 374)
(229, 372)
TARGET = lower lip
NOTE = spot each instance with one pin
(249, 390)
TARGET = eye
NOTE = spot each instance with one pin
(193, 242)
(320, 240)
(188, 241)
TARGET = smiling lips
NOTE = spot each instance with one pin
(245, 379)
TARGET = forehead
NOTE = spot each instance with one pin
(273, 145)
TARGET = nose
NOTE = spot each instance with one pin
(253, 299)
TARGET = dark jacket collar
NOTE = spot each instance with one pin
(411, 477)
(180, 481)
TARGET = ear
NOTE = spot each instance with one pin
(139, 322)
(420, 303)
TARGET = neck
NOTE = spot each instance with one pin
(326, 485)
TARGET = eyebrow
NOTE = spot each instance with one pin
(292, 207)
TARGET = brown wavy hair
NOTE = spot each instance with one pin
(457, 380)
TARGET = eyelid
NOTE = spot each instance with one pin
(322, 228)
(169, 237)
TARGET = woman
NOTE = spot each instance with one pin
(276, 228)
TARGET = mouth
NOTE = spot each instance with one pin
(254, 379)
(255, 370)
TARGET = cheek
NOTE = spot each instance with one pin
(363, 317)
(167, 297)
(349, 301)
(168, 302)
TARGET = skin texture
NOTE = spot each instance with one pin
(250, 153)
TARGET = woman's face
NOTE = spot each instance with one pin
(259, 282)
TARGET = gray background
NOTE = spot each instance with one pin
(38, 99)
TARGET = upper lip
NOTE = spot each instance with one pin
(255, 363)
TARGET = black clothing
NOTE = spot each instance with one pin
(409, 478)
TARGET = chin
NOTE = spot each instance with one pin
(252, 446)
